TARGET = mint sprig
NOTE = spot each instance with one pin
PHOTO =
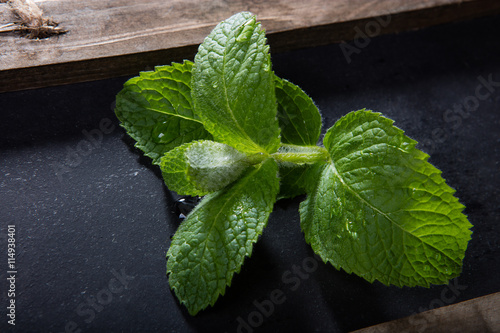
(226, 128)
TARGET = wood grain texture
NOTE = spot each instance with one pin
(122, 37)
(477, 315)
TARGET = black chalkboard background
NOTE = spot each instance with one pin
(93, 217)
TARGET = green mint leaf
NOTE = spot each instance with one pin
(201, 167)
(299, 118)
(233, 86)
(211, 244)
(296, 167)
(298, 179)
(292, 180)
(156, 110)
(381, 210)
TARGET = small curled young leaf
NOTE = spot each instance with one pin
(201, 167)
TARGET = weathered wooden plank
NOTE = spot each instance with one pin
(122, 37)
(477, 315)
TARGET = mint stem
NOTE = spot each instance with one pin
(293, 154)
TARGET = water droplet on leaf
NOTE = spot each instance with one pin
(161, 133)
(351, 229)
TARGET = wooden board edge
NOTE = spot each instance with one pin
(396, 23)
(91, 70)
(132, 64)
(476, 315)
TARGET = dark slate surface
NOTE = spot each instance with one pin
(93, 217)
